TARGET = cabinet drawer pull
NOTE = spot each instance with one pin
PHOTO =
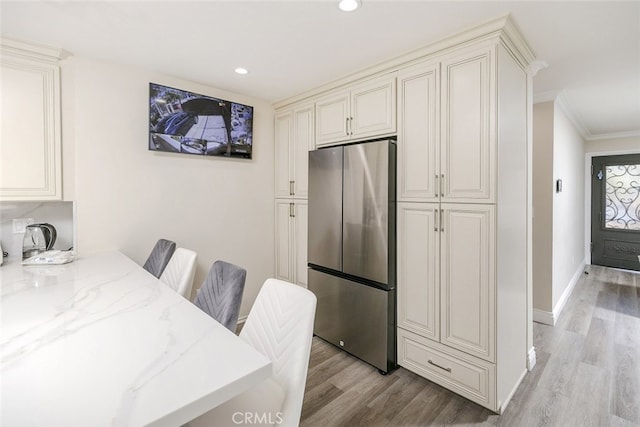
(441, 219)
(350, 125)
(431, 362)
(292, 211)
(291, 192)
(346, 125)
(442, 185)
(436, 187)
(435, 219)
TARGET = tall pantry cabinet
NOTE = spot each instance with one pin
(462, 220)
(460, 108)
(294, 137)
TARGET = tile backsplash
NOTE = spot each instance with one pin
(58, 214)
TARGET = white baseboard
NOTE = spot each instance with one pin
(531, 358)
(541, 316)
(503, 405)
(550, 318)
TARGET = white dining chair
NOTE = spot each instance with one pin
(180, 270)
(280, 326)
(159, 257)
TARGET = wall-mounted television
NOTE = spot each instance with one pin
(185, 122)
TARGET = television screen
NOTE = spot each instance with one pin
(186, 122)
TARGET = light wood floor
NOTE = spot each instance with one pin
(587, 373)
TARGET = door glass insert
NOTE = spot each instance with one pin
(622, 201)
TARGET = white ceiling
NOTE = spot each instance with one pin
(592, 48)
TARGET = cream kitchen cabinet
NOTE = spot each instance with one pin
(365, 110)
(291, 240)
(294, 138)
(446, 274)
(462, 220)
(447, 129)
(30, 147)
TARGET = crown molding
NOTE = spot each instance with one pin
(560, 99)
(615, 135)
(31, 50)
(501, 28)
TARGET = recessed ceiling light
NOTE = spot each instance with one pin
(349, 5)
(241, 70)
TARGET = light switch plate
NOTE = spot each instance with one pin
(20, 224)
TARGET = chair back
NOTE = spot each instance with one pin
(221, 293)
(159, 257)
(280, 326)
(178, 274)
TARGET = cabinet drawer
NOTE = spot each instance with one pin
(463, 374)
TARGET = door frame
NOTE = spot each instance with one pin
(587, 196)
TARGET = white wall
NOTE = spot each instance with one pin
(615, 145)
(558, 222)
(568, 220)
(128, 197)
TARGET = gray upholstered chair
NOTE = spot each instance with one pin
(159, 257)
(221, 293)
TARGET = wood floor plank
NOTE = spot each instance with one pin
(599, 344)
(625, 401)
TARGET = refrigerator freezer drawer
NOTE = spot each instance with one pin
(357, 318)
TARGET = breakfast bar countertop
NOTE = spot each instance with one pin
(100, 341)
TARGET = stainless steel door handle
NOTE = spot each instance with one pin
(431, 362)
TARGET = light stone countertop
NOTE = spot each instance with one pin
(101, 342)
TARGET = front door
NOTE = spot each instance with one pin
(615, 211)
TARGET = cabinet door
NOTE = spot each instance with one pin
(468, 127)
(300, 239)
(30, 152)
(418, 269)
(468, 279)
(373, 108)
(283, 142)
(418, 144)
(303, 141)
(332, 112)
(284, 263)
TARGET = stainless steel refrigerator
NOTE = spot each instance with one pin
(352, 248)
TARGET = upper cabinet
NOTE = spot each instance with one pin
(294, 135)
(30, 152)
(361, 111)
(447, 143)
